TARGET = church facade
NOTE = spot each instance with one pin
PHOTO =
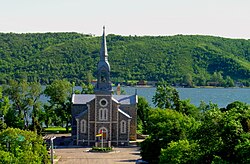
(103, 117)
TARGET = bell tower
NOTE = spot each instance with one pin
(103, 85)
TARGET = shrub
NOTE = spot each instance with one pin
(101, 149)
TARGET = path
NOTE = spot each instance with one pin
(81, 156)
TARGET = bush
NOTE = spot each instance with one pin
(101, 149)
(24, 146)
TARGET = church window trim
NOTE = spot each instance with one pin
(103, 102)
(123, 127)
(83, 125)
(103, 114)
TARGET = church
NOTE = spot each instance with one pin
(102, 116)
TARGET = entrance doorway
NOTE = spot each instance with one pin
(104, 133)
(102, 137)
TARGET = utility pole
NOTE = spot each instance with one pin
(52, 150)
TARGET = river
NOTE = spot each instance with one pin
(220, 96)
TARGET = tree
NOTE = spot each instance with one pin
(188, 79)
(165, 126)
(166, 97)
(150, 58)
(22, 146)
(185, 107)
(89, 77)
(180, 152)
(4, 108)
(26, 100)
(87, 89)
(35, 91)
(4, 103)
(229, 82)
(60, 92)
(223, 134)
(18, 94)
(218, 78)
(143, 113)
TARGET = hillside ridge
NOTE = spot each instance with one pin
(188, 59)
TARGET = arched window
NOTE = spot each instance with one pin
(103, 76)
(83, 125)
(103, 114)
(123, 126)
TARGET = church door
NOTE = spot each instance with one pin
(104, 133)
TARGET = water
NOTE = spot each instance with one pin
(220, 96)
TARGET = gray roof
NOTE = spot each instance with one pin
(82, 98)
(125, 114)
(81, 114)
(126, 99)
(123, 99)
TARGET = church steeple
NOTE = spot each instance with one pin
(103, 85)
(104, 51)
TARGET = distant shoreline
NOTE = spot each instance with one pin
(151, 86)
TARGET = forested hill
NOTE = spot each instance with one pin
(178, 59)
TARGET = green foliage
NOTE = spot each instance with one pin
(22, 147)
(4, 103)
(13, 120)
(188, 60)
(2, 125)
(224, 134)
(142, 114)
(165, 126)
(185, 107)
(25, 101)
(242, 149)
(87, 89)
(101, 149)
(25, 105)
(56, 130)
(170, 125)
(166, 97)
(214, 136)
(180, 152)
(25, 97)
(4, 108)
(60, 92)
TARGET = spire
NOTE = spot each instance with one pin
(103, 52)
(103, 69)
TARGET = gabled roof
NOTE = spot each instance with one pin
(82, 98)
(122, 99)
(126, 99)
(81, 114)
(125, 114)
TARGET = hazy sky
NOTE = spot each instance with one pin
(226, 18)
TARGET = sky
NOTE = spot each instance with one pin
(225, 18)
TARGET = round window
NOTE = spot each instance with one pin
(103, 102)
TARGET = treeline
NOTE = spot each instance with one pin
(24, 117)
(181, 60)
(179, 132)
(182, 133)
(21, 106)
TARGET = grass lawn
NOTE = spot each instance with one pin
(56, 130)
